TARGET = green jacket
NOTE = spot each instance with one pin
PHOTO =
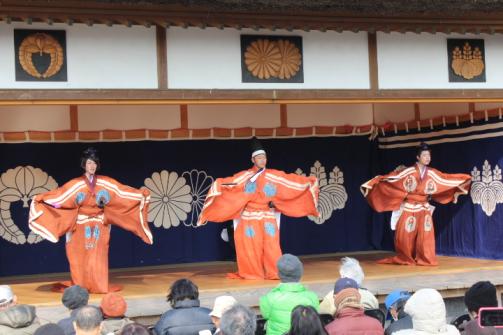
(277, 305)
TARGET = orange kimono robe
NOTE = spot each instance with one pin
(84, 211)
(254, 201)
(407, 193)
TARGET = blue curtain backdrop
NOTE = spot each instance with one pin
(348, 229)
(462, 229)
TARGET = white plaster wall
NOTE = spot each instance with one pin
(415, 61)
(41, 118)
(103, 117)
(431, 110)
(98, 57)
(234, 116)
(388, 112)
(329, 115)
(484, 105)
(211, 58)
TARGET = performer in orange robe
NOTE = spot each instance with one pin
(407, 193)
(84, 209)
(254, 199)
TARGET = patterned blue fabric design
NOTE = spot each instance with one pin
(80, 198)
(250, 232)
(102, 197)
(96, 232)
(270, 190)
(270, 229)
(88, 232)
(250, 187)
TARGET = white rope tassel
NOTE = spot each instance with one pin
(406, 127)
(486, 115)
(457, 120)
(499, 113)
(471, 117)
(395, 127)
(431, 124)
(443, 121)
(418, 125)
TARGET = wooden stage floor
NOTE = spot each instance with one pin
(145, 288)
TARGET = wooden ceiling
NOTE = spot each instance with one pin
(447, 16)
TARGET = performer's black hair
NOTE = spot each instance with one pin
(422, 147)
(92, 154)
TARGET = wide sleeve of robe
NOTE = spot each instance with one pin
(387, 192)
(295, 195)
(447, 187)
(226, 198)
(125, 206)
(54, 213)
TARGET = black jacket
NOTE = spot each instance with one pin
(186, 318)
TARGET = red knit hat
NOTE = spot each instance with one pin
(113, 305)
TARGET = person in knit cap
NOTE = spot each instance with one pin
(481, 294)
(222, 303)
(114, 307)
(49, 329)
(277, 305)
(74, 297)
(350, 317)
(350, 268)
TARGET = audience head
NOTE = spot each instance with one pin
(75, 297)
(395, 302)
(306, 321)
(135, 329)
(350, 268)
(481, 294)
(427, 310)
(182, 289)
(238, 320)
(347, 298)
(49, 329)
(88, 321)
(222, 304)
(290, 268)
(113, 305)
(343, 283)
(7, 297)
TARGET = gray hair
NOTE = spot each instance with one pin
(238, 320)
(88, 318)
(350, 268)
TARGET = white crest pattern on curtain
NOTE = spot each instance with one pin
(487, 188)
(333, 194)
(177, 199)
(21, 184)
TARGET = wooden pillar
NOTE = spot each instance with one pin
(373, 69)
(74, 117)
(162, 57)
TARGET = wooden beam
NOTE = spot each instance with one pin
(162, 57)
(138, 14)
(373, 68)
(74, 117)
(233, 96)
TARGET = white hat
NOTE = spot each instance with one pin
(222, 303)
(6, 295)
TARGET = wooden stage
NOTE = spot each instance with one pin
(145, 289)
